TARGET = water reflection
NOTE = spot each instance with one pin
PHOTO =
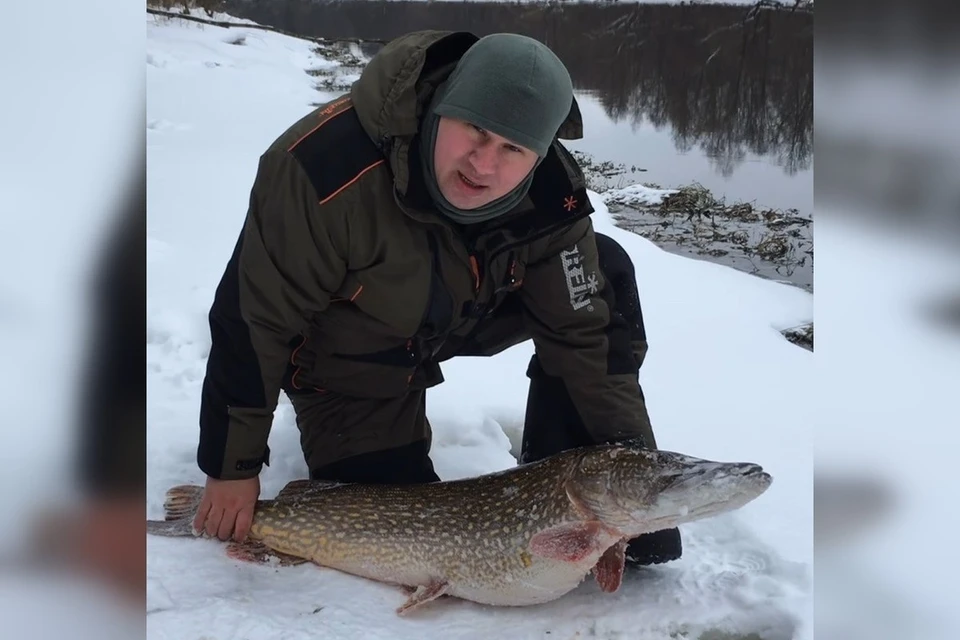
(731, 81)
(730, 88)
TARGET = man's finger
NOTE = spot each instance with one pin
(199, 520)
(213, 521)
(244, 521)
(226, 525)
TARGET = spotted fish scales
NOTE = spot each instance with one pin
(522, 536)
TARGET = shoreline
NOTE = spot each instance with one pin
(689, 220)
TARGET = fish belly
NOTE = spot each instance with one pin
(543, 582)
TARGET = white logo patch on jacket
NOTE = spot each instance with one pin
(580, 286)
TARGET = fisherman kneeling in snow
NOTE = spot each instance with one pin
(430, 213)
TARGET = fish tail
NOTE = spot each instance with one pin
(179, 507)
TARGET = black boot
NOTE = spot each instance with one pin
(656, 547)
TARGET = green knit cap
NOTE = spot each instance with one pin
(511, 85)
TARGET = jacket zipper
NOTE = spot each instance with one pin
(472, 262)
(474, 267)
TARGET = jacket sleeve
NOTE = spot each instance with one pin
(582, 338)
(288, 258)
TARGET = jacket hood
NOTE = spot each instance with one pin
(396, 85)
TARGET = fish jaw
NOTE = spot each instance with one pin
(693, 489)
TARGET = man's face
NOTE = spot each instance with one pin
(475, 167)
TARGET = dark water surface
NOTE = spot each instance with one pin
(718, 95)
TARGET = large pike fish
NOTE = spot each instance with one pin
(522, 536)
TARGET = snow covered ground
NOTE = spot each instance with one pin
(721, 380)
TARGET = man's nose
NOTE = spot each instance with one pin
(484, 159)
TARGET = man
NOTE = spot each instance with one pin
(429, 213)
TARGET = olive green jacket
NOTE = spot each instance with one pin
(344, 280)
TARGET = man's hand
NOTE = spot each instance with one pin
(227, 508)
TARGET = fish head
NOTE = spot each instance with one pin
(634, 489)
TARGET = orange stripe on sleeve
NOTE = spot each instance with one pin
(333, 113)
(357, 177)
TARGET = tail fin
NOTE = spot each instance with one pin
(179, 507)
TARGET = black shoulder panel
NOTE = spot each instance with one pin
(336, 152)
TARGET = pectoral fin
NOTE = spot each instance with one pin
(609, 569)
(567, 542)
(423, 595)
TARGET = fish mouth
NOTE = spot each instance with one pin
(703, 488)
(709, 472)
(748, 470)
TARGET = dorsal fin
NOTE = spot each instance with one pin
(304, 489)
